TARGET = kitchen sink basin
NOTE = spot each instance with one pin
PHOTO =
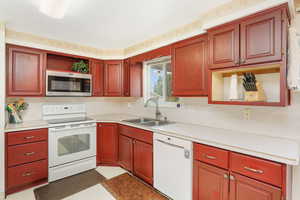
(148, 122)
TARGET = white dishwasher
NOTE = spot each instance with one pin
(173, 166)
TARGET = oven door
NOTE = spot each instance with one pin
(68, 84)
(69, 143)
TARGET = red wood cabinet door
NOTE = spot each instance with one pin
(107, 143)
(113, 78)
(189, 66)
(244, 188)
(143, 161)
(261, 38)
(136, 79)
(97, 70)
(126, 152)
(224, 46)
(126, 78)
(25, 72)
(210, 183)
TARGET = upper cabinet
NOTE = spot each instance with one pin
(224, 46)
(253, 40)
(261, 38)
(25, 71)
(97, 71)
(113, 78)
(126, 78)
(136, 79)
(189, 65)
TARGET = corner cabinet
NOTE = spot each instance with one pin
(189, 65)
(107, 144)
(25, 71)
(113, 78)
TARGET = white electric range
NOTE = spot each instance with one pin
(72, 140)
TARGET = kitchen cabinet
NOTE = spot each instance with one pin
(25, 71)
(189, 67)
(245, 178)
(224, 46)
(252, 40)
(97, 71)
(113, 78)
(26, 159)
(126, 78)
(107, 144)
(261, 38)
(126, 152)
(244, 188)
(143, 160)
(136, 152)
(210, 183)
(136, 79)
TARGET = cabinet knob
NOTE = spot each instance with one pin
(27, 174)
(29, 137)
(226, 176)
(243, 61)
(236, 62)
(29, 153)
(232, 177)
(99, 125)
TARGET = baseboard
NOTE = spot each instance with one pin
(2, 196)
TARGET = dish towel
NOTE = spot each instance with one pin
(294, 59)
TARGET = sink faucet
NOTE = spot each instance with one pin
(155, 100)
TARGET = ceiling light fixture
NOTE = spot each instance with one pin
(54, 8)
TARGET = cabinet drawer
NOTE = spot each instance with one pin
(211, 155)
(263, 170)
(28, 173)
(25, 153)
(22, 137)
(136, 133)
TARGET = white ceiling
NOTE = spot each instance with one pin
(105, 24)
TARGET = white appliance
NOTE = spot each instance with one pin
(173, 166)
(72, 140)
(68, 84)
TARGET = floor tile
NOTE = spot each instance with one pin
(110, 172)
(93, 193)
(23, 195)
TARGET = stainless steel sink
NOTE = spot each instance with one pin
(148, 122)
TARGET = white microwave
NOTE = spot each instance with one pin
(68, 84)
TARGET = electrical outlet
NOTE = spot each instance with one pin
(129, 105)
(247, 113)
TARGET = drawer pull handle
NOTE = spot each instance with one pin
(258, 171)
(29, 137)
(210, 157)
(27, 174)
(29, 153)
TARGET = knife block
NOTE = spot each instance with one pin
(258, 95)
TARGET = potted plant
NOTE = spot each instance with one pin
(81, 67)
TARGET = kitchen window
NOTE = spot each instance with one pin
(158, 81)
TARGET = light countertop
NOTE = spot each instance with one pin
(272, 148)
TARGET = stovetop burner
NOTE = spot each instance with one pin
(69, 120)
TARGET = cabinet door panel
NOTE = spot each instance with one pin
(26, 72)
(224, 47)
(143, 161)
(210, 183)
(244, 188)
(136, 79)
(126, 78)
(113, 80)
(97, 69)
(189, 65)
(261, 38)
(107, 143)
(126, 152)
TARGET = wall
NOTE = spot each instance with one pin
(2, 103)
(95, 106)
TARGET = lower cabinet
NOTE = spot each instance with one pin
(246, 178)
(126, 152)
(143, 160)
(107, 144)
(136, 152)
(244, 188)
(210, 183)
(26, 159)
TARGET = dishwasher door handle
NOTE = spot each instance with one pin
(167, 143)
